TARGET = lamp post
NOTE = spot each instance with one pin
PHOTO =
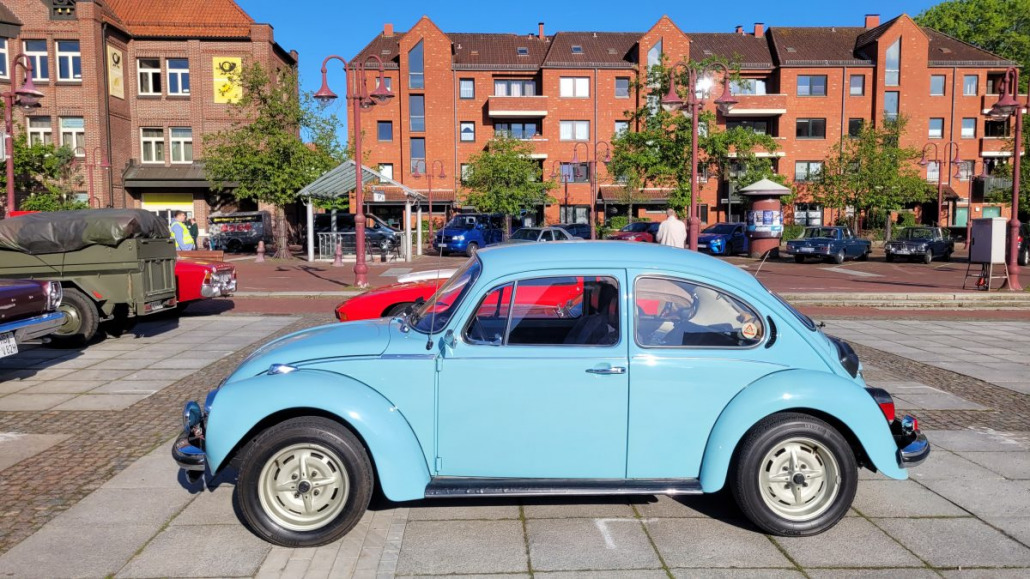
(592, 166)
(102, 163)
(429, 175)
(360, 98)
(27, 96)
(1007, 106)
(953, 146)
(692, 108)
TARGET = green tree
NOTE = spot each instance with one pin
(504, 179)
(262, 154)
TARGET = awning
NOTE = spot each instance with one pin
(162, 177)
(339, 182)
(615, 195)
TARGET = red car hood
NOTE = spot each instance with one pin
(373, 303)
(204, 264)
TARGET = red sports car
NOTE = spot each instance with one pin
(197, 279)
(637, 231)
(386, 301)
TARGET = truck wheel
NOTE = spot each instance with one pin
(234, 246)
(81, 320)
(795, 475)
(304, 482)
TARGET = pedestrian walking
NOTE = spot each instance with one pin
(672, 231)
(181, 233)
(191, 224)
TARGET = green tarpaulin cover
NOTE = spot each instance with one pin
(64, 231)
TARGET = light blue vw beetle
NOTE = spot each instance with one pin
(578, 368)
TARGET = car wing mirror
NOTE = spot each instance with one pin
(449, 339)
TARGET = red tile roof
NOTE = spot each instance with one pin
(752, 52)
(812, 46)
(597, 49)
(385, 47)
(498, 51)
(183, 18)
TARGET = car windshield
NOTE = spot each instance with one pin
(433, 315)
(813, 232)
(720, 229)
(638, 227)
(526, 234)
(916, 233)
(461, 222)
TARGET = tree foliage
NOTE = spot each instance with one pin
(504, 179)
(262, 155)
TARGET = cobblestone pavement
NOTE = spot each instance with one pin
(102, 491)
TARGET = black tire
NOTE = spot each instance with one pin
(396, 309)
(1024, 256)
(799, 259)
(864, 256)
(81, 320)
(947, 255)
(472, 248)
(839, 258)
(928, 257)
(324, 438)
(822, 447)
(234, 246)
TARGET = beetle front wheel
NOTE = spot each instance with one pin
(795, 475)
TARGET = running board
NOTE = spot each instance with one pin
(443, 486)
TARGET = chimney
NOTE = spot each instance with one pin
(540, 30)
(759, 29)
(872, 20)
(387, 30)
(739, 30)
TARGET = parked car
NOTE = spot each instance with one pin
(580, 230)
(28, 310)
(1023, 257)
(534, 234)
(637, 231)
(731, 387)
(389, 300)
(834, 244)
(199, 279)
(468, 233)
(236, 232)
(724, 239)
(925, 243)
(378, 234)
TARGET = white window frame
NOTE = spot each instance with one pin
(617, 131)
(629, 86)
(930, 130)
(5, 61)
(892, 64)
(968, 134)
(808, 173)
(965, 170)
(40, 134)
(469, 83)
(182, 141)
(576, 87)
(181, 73)
(976, 84)
(73, 137)
(861, 85)
(575, 130)
(386, 170)
(71, 56)
(933, 172)
(36, 57)
(151, 73)
(944, 83)
(462, 137)
(155, 145)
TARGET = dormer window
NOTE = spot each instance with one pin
(577, 49)
(522, 51)
(62, 9)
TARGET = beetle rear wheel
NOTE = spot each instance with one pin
(795, 475)
(304, 482)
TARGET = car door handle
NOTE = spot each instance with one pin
(612, 370)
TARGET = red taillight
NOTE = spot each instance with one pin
(888, 410)
(884, 400)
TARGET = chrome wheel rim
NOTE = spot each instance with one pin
(72, 320)
(303, 487)
(799, 479)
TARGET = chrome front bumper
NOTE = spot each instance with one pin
(913, 447)
(188, 449)
(32, 328)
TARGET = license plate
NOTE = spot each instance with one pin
(443, 245)
(806, 250)
(902, 251)
(8, 347)
(702, 246)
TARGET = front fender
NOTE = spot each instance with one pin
(239, 406)
(799, 390)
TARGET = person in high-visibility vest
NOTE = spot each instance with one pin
(181, 233)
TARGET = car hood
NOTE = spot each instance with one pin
(453, 231)
(709, 237)
(429, 285)
(349, 339)
(903, 242)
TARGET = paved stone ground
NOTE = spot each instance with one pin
(965, 513)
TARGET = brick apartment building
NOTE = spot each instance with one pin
(135, 83)
(806, 87)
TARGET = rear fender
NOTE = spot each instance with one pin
(800, 390)
(239, 406)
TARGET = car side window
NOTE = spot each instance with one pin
(678, 314)
(490, 318)
(546, 236)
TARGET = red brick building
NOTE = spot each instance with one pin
(135, 83)
(566, 92)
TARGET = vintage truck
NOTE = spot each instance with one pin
(27, 311)
(113, 264)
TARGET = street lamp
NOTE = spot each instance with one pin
(360, 98)
(429, 176)
(102, 163)
(1008, 106)
(28, 97)
(692, 108)
(592, 166)
(953, 146)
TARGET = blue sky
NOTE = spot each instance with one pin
(318, 28)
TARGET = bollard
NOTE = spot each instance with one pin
(338, 255)
(260, 252)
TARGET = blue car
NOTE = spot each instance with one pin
(831, 244)
(554, 369)
(468, 233)
(723, 239)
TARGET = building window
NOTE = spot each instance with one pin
(418, 154)
(73, 134)
(936, 128)
(857, 85)
(467, 88)
(574, 87)
(812, 85)
(3, 58)
(149, 75)
(893, 65)
(996, 129)
(388, 83)
(890, 105)
(467, 131)
(182, 144)
(747, 86)
(805, 171)
(69, 61)
(937, 85)
(811, 129)
(994, 82)
(574, 130)
(855, 127)
(810, 214)
(521, 131)
(384, 130)
(417, 113)
(933, 171)
(40, 131)
(622, 87)
(965, 170)
(36, 51)
(968, 128)
(466, 170)
(575, 173)
(178, 76)
(621, 128)
(515, 88)
(416, 67)
(654, 54)
(386, 170)
(759, 127)
(153, 144)
(970, 84)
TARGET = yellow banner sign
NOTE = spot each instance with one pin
(115, 73)
(226, 76)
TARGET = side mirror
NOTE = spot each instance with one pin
(449, 340)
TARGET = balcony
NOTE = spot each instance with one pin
(987, 101)
(996, 147)
(759, 105)
(509, 107)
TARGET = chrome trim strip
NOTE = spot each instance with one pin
(408, 356)
(533, 487)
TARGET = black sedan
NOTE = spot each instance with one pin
(923, 243)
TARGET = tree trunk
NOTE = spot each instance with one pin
(282, 237)
(887, 228)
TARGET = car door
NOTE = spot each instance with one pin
(692, 348)
(536, 383)
(739, 241)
